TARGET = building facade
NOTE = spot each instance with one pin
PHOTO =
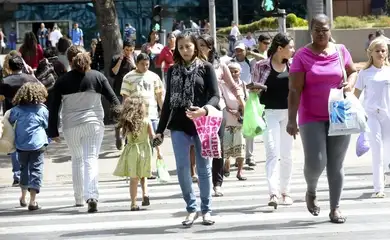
(26, 15)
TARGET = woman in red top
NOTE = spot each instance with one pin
(31, 51)
(166, 55)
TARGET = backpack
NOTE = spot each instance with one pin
(46, 74)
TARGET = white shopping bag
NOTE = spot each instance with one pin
(346, 114)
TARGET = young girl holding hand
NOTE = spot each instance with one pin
(136, 159)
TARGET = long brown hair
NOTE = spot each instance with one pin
(177, 58)
(132, 116)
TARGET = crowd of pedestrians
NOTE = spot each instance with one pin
(167, 87)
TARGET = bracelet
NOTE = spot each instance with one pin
(207, 110)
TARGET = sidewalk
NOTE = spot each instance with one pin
(58, 167)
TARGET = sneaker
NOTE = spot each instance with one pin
(379, 195)
(273, 201)
(286, 200)
(15, 183)
(92, 205)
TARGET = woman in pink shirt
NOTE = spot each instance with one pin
(314, 71)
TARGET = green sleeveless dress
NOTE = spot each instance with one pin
(136, 158)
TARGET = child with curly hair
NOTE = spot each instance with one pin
(136, 158)
(30, 119)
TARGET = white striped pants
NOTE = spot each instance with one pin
(84, 142)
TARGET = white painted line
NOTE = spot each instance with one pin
(166, 190)
(179, 202)
(234, 218)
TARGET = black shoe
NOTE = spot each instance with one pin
(152, 177)
(34, 207)
(92, 205)
(250, 162)
(15, 183)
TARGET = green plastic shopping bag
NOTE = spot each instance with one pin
(254, 124)
(163, 175)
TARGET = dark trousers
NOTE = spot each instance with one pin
(218, 163)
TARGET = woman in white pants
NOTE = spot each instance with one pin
(374, 79)
(273, 72)
(79, 91)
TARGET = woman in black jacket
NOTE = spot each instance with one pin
(191, 86)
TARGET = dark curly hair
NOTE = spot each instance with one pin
(132, 116)
(30, 93)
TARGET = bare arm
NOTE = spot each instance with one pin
(296, 83)
(352, 75)
(115, 69)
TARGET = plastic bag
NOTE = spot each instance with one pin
(207, 128)
(346, 114)
(362, 144)
(163, 175)
(254, 123)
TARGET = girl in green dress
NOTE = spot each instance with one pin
(135, 160)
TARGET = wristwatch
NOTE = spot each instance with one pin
(207, 110)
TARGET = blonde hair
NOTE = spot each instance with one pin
(132, 116)
(376, 42)
(30, 93)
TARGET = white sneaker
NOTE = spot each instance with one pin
(379, 195)
(286, 200)
(190, 219)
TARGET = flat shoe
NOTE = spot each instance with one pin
(22, 204)
(145, 201)
(337, 219)
(190, 219)
(34, 207)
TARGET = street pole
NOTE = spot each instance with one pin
(235, 11)
(282, 20)
(213, 24)
(329, 11)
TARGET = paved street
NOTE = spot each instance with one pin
(241, 214)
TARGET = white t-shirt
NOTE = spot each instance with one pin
(55, 37)
(235, 32)
(376, 85)
(245, 75)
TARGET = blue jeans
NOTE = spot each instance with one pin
(42, 42)
(31, 169)
(15, 166)
(181, 143)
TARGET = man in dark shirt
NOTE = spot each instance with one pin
(120, 66)
(8, 88)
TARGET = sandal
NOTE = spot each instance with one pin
(195, 179)
(22, 203)
(134, 208)
(338, 218)
(312, 204)
(190, 219)
(241, 178)
(145, 201)
(34, 207)
(380, 195)
(207, 220)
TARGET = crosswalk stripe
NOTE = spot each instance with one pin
(237, 218)
(163, 190)
(245, 202)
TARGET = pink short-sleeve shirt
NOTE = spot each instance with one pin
(322, 72)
